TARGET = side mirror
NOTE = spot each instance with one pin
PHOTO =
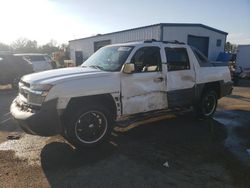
(129, 68)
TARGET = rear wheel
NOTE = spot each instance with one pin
(207, 104)
(89, 126)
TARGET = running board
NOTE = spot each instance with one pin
(149, 117)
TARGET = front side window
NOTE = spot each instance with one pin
(109, 58)
(177, 59)
(147, 59)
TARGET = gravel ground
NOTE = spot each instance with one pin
(176, 152)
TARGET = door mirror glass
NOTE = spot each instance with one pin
(129, 68)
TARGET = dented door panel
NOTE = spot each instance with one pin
(180, 79)
(143, 92)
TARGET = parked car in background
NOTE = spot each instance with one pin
(12, 68)
(40, 62)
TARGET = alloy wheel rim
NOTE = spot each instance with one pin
(209, 104)
(90, 127)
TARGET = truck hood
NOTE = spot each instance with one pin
(63, 74)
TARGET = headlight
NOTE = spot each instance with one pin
(41, 87)
(35, 99)
(38, 93)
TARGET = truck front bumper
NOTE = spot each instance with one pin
(43, 122)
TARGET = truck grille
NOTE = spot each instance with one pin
(23, 92)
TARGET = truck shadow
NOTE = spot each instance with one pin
(182, 142)
(246, 99)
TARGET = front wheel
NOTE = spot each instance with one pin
(207, 104)
(89, 126)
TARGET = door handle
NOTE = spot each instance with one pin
(160, 79)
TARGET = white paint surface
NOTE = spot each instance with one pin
(87, 45)
(170, 33)
(140, 93)
(243, 56)
(181, 34)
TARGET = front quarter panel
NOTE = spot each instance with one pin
(66, 90)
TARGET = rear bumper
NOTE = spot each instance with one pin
(43, 122)
(226, 88)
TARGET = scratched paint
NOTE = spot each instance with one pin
(144, 103)
(141, 93)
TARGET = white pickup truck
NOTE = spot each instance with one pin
(122, 80)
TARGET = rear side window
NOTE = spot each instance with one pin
(35, 58)
(177, 59)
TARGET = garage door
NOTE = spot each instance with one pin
(200, 43)
(99, 44)
(79, 57)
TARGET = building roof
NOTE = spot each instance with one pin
(160, 24)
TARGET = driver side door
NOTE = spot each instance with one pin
(145, 89)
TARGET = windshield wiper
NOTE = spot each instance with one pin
(96, 67)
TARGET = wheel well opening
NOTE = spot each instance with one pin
(213, 86)
(105, 99)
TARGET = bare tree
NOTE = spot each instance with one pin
(4, 47)
(232, 48)
(23, 45)
(50, 47)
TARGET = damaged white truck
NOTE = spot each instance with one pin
(123, 80)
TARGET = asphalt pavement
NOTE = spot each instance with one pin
(178, 151)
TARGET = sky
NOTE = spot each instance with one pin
(64, 20)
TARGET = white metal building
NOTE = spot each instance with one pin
(208, 40)
(243, 55)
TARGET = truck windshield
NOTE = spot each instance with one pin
(109, 58)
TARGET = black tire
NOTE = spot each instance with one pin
(207, 104)
(89, 121)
